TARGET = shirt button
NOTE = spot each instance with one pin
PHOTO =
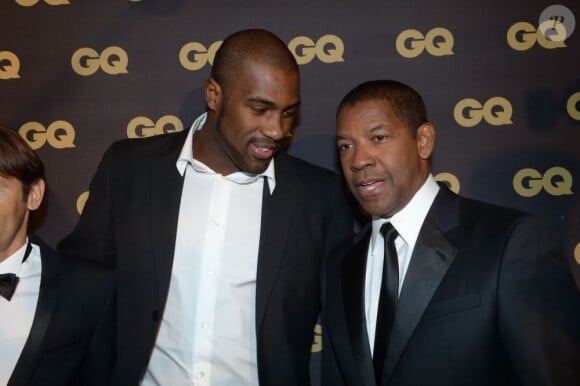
(203, 325)
(200, 375)
(210, 272)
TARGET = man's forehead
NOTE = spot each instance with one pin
(6, 180)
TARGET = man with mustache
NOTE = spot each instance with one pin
(217, 237)
(439, 289)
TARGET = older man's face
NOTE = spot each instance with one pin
(384, 164)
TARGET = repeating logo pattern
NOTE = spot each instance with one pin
(522, 36)
(81, 201)
(328, 49)
(58, 134)
(194, 56)
(469, 98)
(496, 111)
(30, 3)
(112, 60)
(556, 181)
(437, 42)
(140, 127)
(450, 180)
(9, 65)
(572, 106)
(317, 345)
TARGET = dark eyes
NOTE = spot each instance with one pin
(344, 146)
(375, 139)
(289, 113)
(260, 110)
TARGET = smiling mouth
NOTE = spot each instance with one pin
(369, 187)
(263, 151)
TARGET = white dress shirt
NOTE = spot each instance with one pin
(207, 334)
(18, 313)
(408, 222)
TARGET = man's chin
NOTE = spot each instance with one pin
(375, 211)
(257, 167)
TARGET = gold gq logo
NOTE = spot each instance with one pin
(317, 345)
(59, 134)
(194, 56)
(328, 49)
(112, 60)
(450, 180)
(522, 36)
(81, 201)
(9, 65)
(557, 181)
(572, 106)
(496, 111)
(30, 3)
(438, 42)
(141, 127)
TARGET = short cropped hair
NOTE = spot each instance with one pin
(253, 44)
(18, 160)
(406, 103)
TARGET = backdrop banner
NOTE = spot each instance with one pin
(500, 79)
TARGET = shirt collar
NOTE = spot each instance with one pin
(186, 159)
(409, 220)
(13, 262)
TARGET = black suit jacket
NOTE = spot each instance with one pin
(70, 338)
(488, 299)
(131, 219)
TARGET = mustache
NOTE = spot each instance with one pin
(265, 142)
(364, 178)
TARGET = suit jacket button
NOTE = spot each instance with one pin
(155, 316)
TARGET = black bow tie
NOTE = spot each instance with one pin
(8, 282)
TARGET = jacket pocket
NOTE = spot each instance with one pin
(453, 305)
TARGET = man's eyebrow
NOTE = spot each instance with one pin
(262, 101)
(377, 127)
(271, 104)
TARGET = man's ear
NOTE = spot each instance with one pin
(425, 140)
(213, 94)
(36, 194)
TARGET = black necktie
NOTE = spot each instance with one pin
(387, 299)
(9, 281)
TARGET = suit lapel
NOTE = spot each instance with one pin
(44, 315)
(432, 256)
(353, 283)
(277, 209)
(166, 187)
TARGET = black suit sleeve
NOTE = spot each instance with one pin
(92, 238)
(539, 307)
(330, 373)
(341, 231)
(100, 358)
